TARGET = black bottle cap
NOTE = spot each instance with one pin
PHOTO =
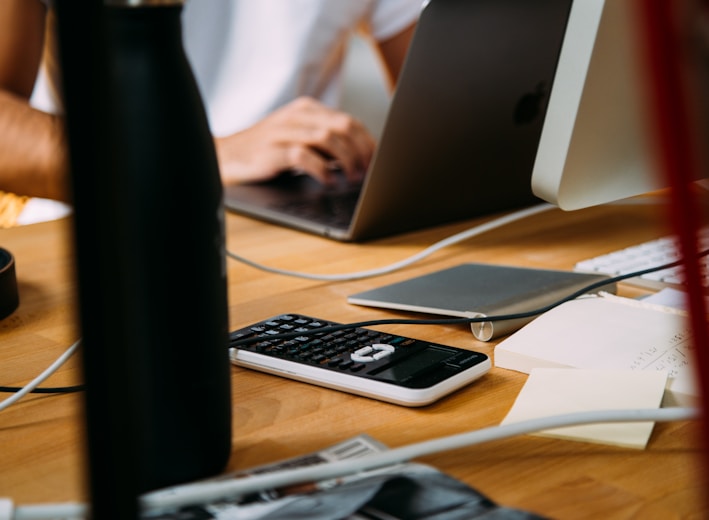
(9, 295)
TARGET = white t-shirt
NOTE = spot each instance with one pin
(252, 56)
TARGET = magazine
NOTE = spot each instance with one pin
(396, 492)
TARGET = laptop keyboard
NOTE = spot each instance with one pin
(333, 208)
(649, 254)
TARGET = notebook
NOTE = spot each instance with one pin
(461, 133)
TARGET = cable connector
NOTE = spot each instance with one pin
(7, 508)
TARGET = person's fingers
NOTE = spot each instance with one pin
(335, 134)
(302, 158)
(347, 142)
(304, 135)
(245, 161)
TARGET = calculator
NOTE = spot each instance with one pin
(361, 361)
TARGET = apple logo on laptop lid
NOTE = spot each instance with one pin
(530, 104)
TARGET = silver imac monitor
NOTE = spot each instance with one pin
(597, 144)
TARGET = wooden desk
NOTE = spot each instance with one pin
(41, 450)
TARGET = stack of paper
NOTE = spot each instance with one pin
(608, 332)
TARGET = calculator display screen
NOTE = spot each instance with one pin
(414, 364)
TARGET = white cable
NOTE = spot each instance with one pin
(66, 511)
(454, 239)
(6, 508)
(40, 378)
(206, 492)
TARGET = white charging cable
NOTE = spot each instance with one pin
(206, 492)
(454, 239)
(39, 379)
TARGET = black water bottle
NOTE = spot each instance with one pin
(150, 254)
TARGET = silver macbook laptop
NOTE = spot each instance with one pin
(461, 134)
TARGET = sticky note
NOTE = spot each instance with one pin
(555, 391)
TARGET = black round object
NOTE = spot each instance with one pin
(9, 295)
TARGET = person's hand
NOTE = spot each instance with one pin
(304, 136)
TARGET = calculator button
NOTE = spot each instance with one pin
(377, 351)
(361, 359)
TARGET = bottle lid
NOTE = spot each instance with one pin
(9, 296)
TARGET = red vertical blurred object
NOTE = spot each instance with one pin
(676, 42)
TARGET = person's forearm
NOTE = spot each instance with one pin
(33, 153)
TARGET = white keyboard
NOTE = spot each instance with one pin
(645, 255)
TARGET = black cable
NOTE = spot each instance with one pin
(455, 321)
(402, 321)
(45, 390)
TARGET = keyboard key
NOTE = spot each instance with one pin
(647, 255)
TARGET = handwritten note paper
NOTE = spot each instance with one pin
(607, 332)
